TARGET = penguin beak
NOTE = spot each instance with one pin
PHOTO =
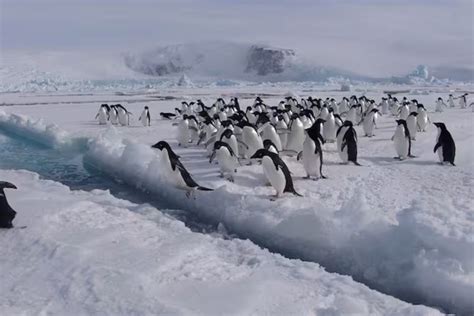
(7, 185)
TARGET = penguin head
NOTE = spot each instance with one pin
(347, 124)
(440, 125)
(146, 107)
(227, 133)
(375, 110)
(259, 154)
(161, 145)
(414, 113)
(401, 122)
(440, 99)
(420, 106)
(7, 185)
(267, 143)
(262, 118)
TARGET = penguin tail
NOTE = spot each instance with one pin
(200, 188)
(323, 177)
(296, 193)
(357, 164)
(452, 163)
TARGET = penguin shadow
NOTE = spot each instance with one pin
(391, 160)
(374, 139)
(249, 179)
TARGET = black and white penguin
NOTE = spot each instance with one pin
(113, 115)
(402, 140)
(422, 120)
(296, 135)
(7, 214)
(412, 124)
(270, 146)
(369, 122)
(226, 158)
(228, 137)
(276, 172)
(174, 170)
(123, 115)
(103, 114)
(347, 143)
(329, 127)
(167, 115)
(445, 145)
(145, 118)
(312, 154)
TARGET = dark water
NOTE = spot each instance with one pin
(67, 167)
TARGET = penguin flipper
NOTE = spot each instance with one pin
(438, 144)
(204, 188)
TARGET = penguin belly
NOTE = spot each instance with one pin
(252, 140)
(369, 126)
(183, 133)
(275, 177)
(113, 117)
(311, 161)
(227, 163)
(122, 117)
(296, 137)
(401, 143)
(270, 133)
(173, 177)
(404, 113)
(352, 116)
(329, 130)
(102, 117)
(232, 142)
(440, 154)
(342, 153)
(422, 121)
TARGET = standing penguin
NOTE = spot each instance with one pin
(329, 128)
(113, 115)
(444, 145)
(347, 146)
(270, 146)
(370, 121)
(103, 114)
(440, 105)
(451, 101)
(183, 131)
(228, 137)
(175, 173)
(404, 111)
(296, 136)
(412, 124)
(422, 120)
(145, 117)
(276, 172)
(312, 154)
(250, 138)
(402, 140)
(123, 115)
(7, 214)
(226, 159)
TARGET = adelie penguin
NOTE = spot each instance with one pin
(402, 140)
(276, 172)
(444, 145)
(145, 118)
(174, 170)
(7, 214)
(347, 143)
(312, 154)
(226, 159)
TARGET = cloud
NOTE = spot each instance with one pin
(370, 37)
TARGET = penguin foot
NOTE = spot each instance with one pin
(307, 177)
(231, 179)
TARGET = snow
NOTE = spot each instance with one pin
(89, 253)
(405, 228)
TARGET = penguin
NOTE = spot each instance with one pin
(412, 124)
(103, 114)
(183, 131)
(7, 214)
(370, 121)
(250, 138)
(440, 105)
(167, 115)
(113, 115)
(394, 107)
(145, 117)
(276, 172)
(296, 136)
(402, 140)
(312, 154)
(174, 171)
(123, 115)
(445, 145)
(193, 126)
(329, 128)
(422, 120)
(228, 137)
(384, 106)
(282, 129)
(338, 120)
(404, 111)
(463, 101)
(451, 101)
(226, 158)
(352, 114)
(268, 131)
(347, 143)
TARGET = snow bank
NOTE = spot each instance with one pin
(38, 131)
(424, 257)
(91, 253)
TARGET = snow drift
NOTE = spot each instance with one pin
(91, 253)
(407, 258)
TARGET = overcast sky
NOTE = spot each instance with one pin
(370, 37)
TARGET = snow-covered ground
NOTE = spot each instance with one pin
(404, 228)
(89, 253)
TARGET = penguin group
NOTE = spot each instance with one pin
(232, 134)
(117, 114)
